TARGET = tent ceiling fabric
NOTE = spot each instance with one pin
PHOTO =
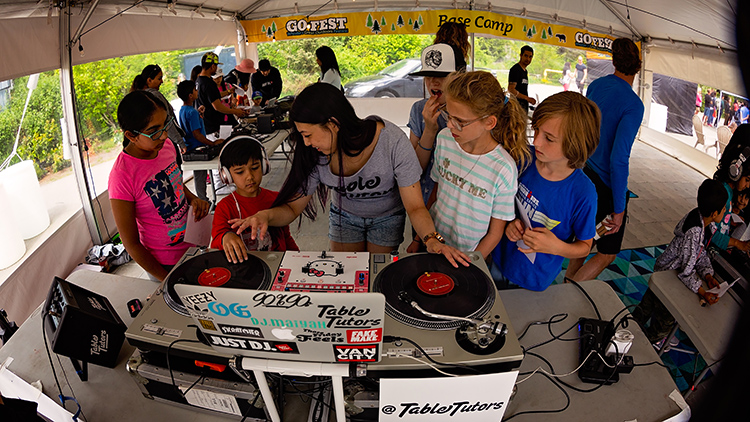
(152, 26)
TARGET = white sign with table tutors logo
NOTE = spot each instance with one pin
(476, 398)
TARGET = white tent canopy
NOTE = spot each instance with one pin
(692, 39)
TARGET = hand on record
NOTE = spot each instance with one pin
(539, 239)
(453, 255)
(514, 230)
(743, 246)
(709, 297)
(258, 225)
(200, 208)
(234, 248)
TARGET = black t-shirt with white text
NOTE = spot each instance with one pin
(269, 85)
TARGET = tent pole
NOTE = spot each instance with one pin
(67, 92)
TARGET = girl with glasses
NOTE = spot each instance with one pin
(149, 200)
(476, 162)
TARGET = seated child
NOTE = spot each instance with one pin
(257, 100)
(687, 254)
(738, 218)
(195, 131)
(245, 162)
(558, 199)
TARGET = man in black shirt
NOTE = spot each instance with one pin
(518, 78)
(216, 113)
(267, 80)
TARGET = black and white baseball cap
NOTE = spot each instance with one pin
(438, 60)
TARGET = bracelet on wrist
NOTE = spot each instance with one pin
(419, 143)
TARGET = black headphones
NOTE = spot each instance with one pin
(735, 169)
(265, 165)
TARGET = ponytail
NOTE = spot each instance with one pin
(510, 132)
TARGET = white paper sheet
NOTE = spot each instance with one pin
(526, 225)
(723, 287)
(198, 233)
(14, 387)
(225, 131)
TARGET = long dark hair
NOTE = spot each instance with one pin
(141, 81)
(319, 104)
(135, 111)
(327, 59)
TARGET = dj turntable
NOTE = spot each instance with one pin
(454, 314)
(164, 318)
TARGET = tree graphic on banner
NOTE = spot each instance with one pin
(400, 21)
(376, 27)
(369, 21)
(273, 27)
(421, 22)
(416, 26)
(393, 27)
(411, 22)
(382, 21)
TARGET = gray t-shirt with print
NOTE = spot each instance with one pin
(373, 190)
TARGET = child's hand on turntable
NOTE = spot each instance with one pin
(514, 230)
(258, 225)
(453, 255)
(234, 248)
(540, 239)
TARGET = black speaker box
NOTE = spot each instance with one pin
(265, 123)
(82, 325)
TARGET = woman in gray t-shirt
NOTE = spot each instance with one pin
(368, 163)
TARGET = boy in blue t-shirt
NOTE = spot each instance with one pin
(191, 122)
(557, 198)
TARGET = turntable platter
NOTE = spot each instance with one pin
(211, 269)
(437, 287)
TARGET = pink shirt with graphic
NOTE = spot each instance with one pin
(161, 206)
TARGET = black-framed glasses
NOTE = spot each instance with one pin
(157, 133)
(456, 122)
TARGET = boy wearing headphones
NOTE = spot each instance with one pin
(243, 164)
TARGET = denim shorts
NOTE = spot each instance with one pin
(388, 230)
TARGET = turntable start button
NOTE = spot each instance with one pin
(435, 284)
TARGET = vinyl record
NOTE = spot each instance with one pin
(212, 269)
(437, 287)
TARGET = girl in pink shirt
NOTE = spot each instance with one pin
(149, 200)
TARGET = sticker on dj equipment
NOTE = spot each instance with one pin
(212, 401)
(364, 336)
(198, 302)
(478, 398)
(256, 345)
(356, 353)
(208, 325)
(320, 336)
(236, 330)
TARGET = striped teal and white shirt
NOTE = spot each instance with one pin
(472, 189)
